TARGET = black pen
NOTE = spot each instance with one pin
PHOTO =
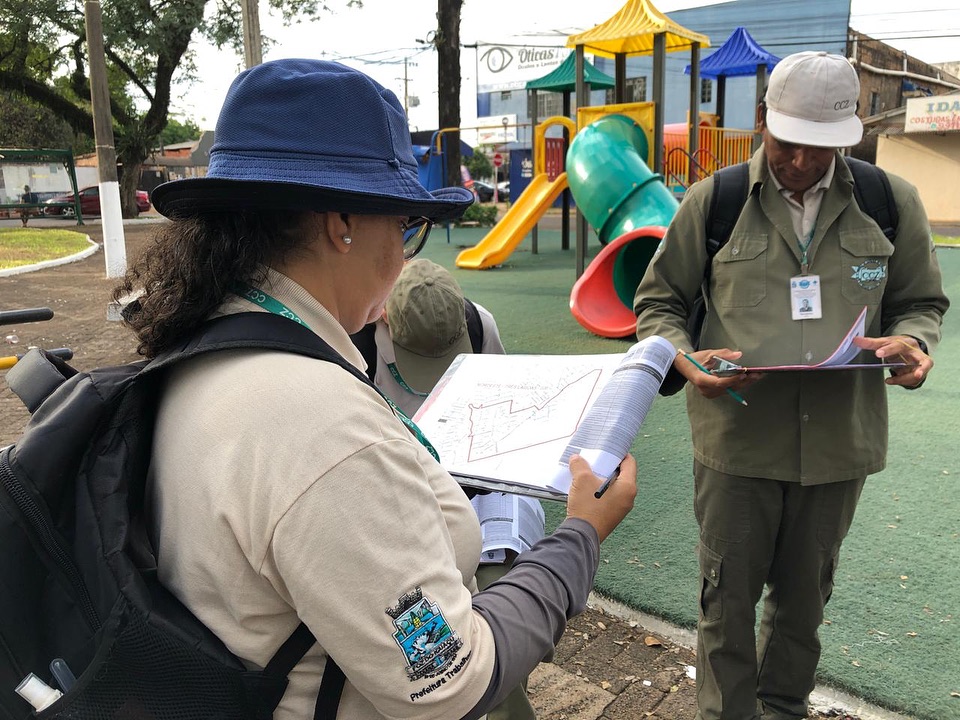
(606, 483)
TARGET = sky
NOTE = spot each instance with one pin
(386, 39)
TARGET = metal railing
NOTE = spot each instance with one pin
(718, 148)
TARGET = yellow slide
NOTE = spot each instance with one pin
(514, 226)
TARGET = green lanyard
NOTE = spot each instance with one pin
(271, 304)
(402, 383)
(803, 247)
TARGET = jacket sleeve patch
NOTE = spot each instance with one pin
(429, 645)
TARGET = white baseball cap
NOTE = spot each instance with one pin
(812, 100)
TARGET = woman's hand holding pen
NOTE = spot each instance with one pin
(605, 512)
(695, 367)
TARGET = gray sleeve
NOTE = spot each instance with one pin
(528, 608)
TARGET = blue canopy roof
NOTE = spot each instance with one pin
(739, 55)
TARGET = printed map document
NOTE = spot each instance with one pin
(840, 359)
(504, 422)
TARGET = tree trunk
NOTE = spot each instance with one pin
(448, 82)
(129, 182)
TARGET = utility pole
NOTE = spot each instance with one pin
(114, 245)
(406, 81)
(252, 42)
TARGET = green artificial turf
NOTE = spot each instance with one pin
(892, 634)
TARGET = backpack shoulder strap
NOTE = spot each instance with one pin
(730, 190)
(254, 330)
(871, 188)
(474, 325)
(272, 332)
(365, 340)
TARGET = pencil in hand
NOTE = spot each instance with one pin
(735, 395)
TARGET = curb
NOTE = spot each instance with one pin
(823, 698)
(94, 247)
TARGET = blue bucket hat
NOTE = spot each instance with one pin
(301, 134)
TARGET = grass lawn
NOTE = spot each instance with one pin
(27, 246)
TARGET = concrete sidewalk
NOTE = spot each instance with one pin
(614, 663)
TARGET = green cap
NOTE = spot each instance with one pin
(427, 323)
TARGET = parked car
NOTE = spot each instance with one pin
(90, 202)
(484, 191)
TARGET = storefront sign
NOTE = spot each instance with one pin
(939, 113)
(510, 67)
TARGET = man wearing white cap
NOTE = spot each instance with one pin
(777, 482)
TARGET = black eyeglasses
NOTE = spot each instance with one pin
(415, 231)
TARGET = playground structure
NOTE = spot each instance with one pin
(526, 210)
(618, 157)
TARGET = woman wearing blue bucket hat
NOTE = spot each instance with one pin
(285, 489)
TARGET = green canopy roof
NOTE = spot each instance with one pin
(564, 77)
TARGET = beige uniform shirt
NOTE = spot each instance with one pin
(804, 427)
(284, 490)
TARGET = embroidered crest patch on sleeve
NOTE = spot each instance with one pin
(427, 642)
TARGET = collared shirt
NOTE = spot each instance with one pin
(805, 216)
(280, 485)
(803, 427)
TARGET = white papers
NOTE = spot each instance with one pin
(503, 422)
(507, 522)
(839, 359)
(846, 350)
(613, 421)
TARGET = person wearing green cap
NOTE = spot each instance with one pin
(426, 323)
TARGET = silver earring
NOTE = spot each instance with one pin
(347, 240)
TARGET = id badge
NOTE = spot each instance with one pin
(805, 297)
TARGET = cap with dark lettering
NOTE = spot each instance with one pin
(812, 100)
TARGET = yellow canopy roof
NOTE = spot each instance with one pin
(631, 32)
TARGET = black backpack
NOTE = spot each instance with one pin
(366, 338)
(78, 577)
(871, 189)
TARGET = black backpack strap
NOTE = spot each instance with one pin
(287, 657)
(872, 191)
(474, 325)
(730, 191)
(254, 330)
(365, 341)
(272, 332)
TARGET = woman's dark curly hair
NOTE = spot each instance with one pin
(192, 264)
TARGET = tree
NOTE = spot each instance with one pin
(43, 58)
(447, 42)
(479, 165)
(178, 132)
(26, 124)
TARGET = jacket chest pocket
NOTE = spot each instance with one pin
(864, 265)
(739, 272)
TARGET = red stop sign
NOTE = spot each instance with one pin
(497, 160)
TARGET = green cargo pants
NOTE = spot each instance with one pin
(755, 533)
